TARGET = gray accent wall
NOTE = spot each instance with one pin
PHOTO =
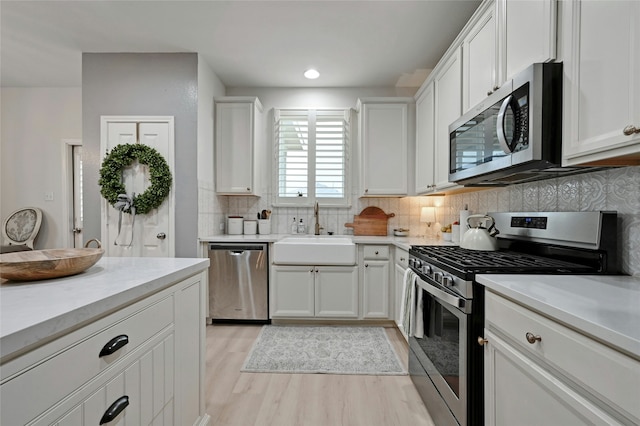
(143, 84)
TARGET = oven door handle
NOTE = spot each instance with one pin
(459, 303)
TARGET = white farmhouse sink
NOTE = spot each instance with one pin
(314, 250)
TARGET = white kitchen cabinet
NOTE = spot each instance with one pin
(480, 57)
(314, 292)
(385, 131)
(376, 289)
(71, 380)
(599, 43)
(502, 39)
(448, 108)
(532, 361)
(425, 140)
(239, 145)
(401, 264)
(526, 34)
(520, 391)
(147, 385)
(374, 266)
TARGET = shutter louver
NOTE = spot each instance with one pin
(293, 153)
(331, 137)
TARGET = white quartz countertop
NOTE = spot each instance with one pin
(402, 242)
(36, 310)
(605, 307)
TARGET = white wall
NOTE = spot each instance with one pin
(34, 123)
(143, 84)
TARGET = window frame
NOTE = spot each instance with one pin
(312, 198)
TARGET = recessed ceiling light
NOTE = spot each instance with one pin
(311, 74)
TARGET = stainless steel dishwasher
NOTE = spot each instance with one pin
(238, 282)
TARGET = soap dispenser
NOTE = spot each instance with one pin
(301, 227)
(294, 226)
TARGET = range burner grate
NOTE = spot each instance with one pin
(473, 260)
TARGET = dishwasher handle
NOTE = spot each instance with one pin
(237, 247)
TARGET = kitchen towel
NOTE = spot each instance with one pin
(411, 308)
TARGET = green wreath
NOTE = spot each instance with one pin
(122, 156)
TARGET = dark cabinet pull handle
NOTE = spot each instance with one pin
(115, 409)
(113, 345)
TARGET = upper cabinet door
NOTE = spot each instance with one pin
(448, 106)
(384, 134)
(237, 136)
(527, 34)
(479, 49)
(601, 45)
(425, 140)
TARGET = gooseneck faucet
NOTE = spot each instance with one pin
(316, 209)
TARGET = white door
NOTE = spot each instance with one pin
(151, 234)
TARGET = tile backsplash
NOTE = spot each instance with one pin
(612, 189)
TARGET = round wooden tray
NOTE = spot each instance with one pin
(52, 263)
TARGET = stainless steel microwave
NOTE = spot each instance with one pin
(514, 135)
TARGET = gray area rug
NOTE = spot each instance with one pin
(329, 350)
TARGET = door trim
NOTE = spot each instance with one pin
(67, 190)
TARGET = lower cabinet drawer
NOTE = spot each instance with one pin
(402, 257)
(139, 393)
(373, 252)
(40, 387)
(611, 376)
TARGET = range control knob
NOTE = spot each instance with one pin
(411, 261)
(426, 269)
(417, 264)
(447, 281)
(437, 276)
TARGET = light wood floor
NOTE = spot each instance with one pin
(246, 399)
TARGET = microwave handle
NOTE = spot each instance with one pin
(500, 125)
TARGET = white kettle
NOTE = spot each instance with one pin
(479, 237)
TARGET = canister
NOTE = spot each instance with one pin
(250, 227)
(234, 225)
(264, 226)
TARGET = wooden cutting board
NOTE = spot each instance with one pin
(371, 221)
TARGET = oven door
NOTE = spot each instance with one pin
(442, 351)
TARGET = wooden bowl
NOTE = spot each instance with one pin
(52, 263)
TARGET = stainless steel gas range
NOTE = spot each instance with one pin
(446, 361)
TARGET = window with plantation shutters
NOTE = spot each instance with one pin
(312, 156)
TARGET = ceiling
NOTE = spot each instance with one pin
(247, 43)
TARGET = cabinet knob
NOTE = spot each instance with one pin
(161, 236)
(377, 252)
(402, 259)
(532, 338)
(248, 189)
(482, 341)
(115, 409)
(366, 190)
(366, 265)
(630, 130)
(489, 93)
(495, 88)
